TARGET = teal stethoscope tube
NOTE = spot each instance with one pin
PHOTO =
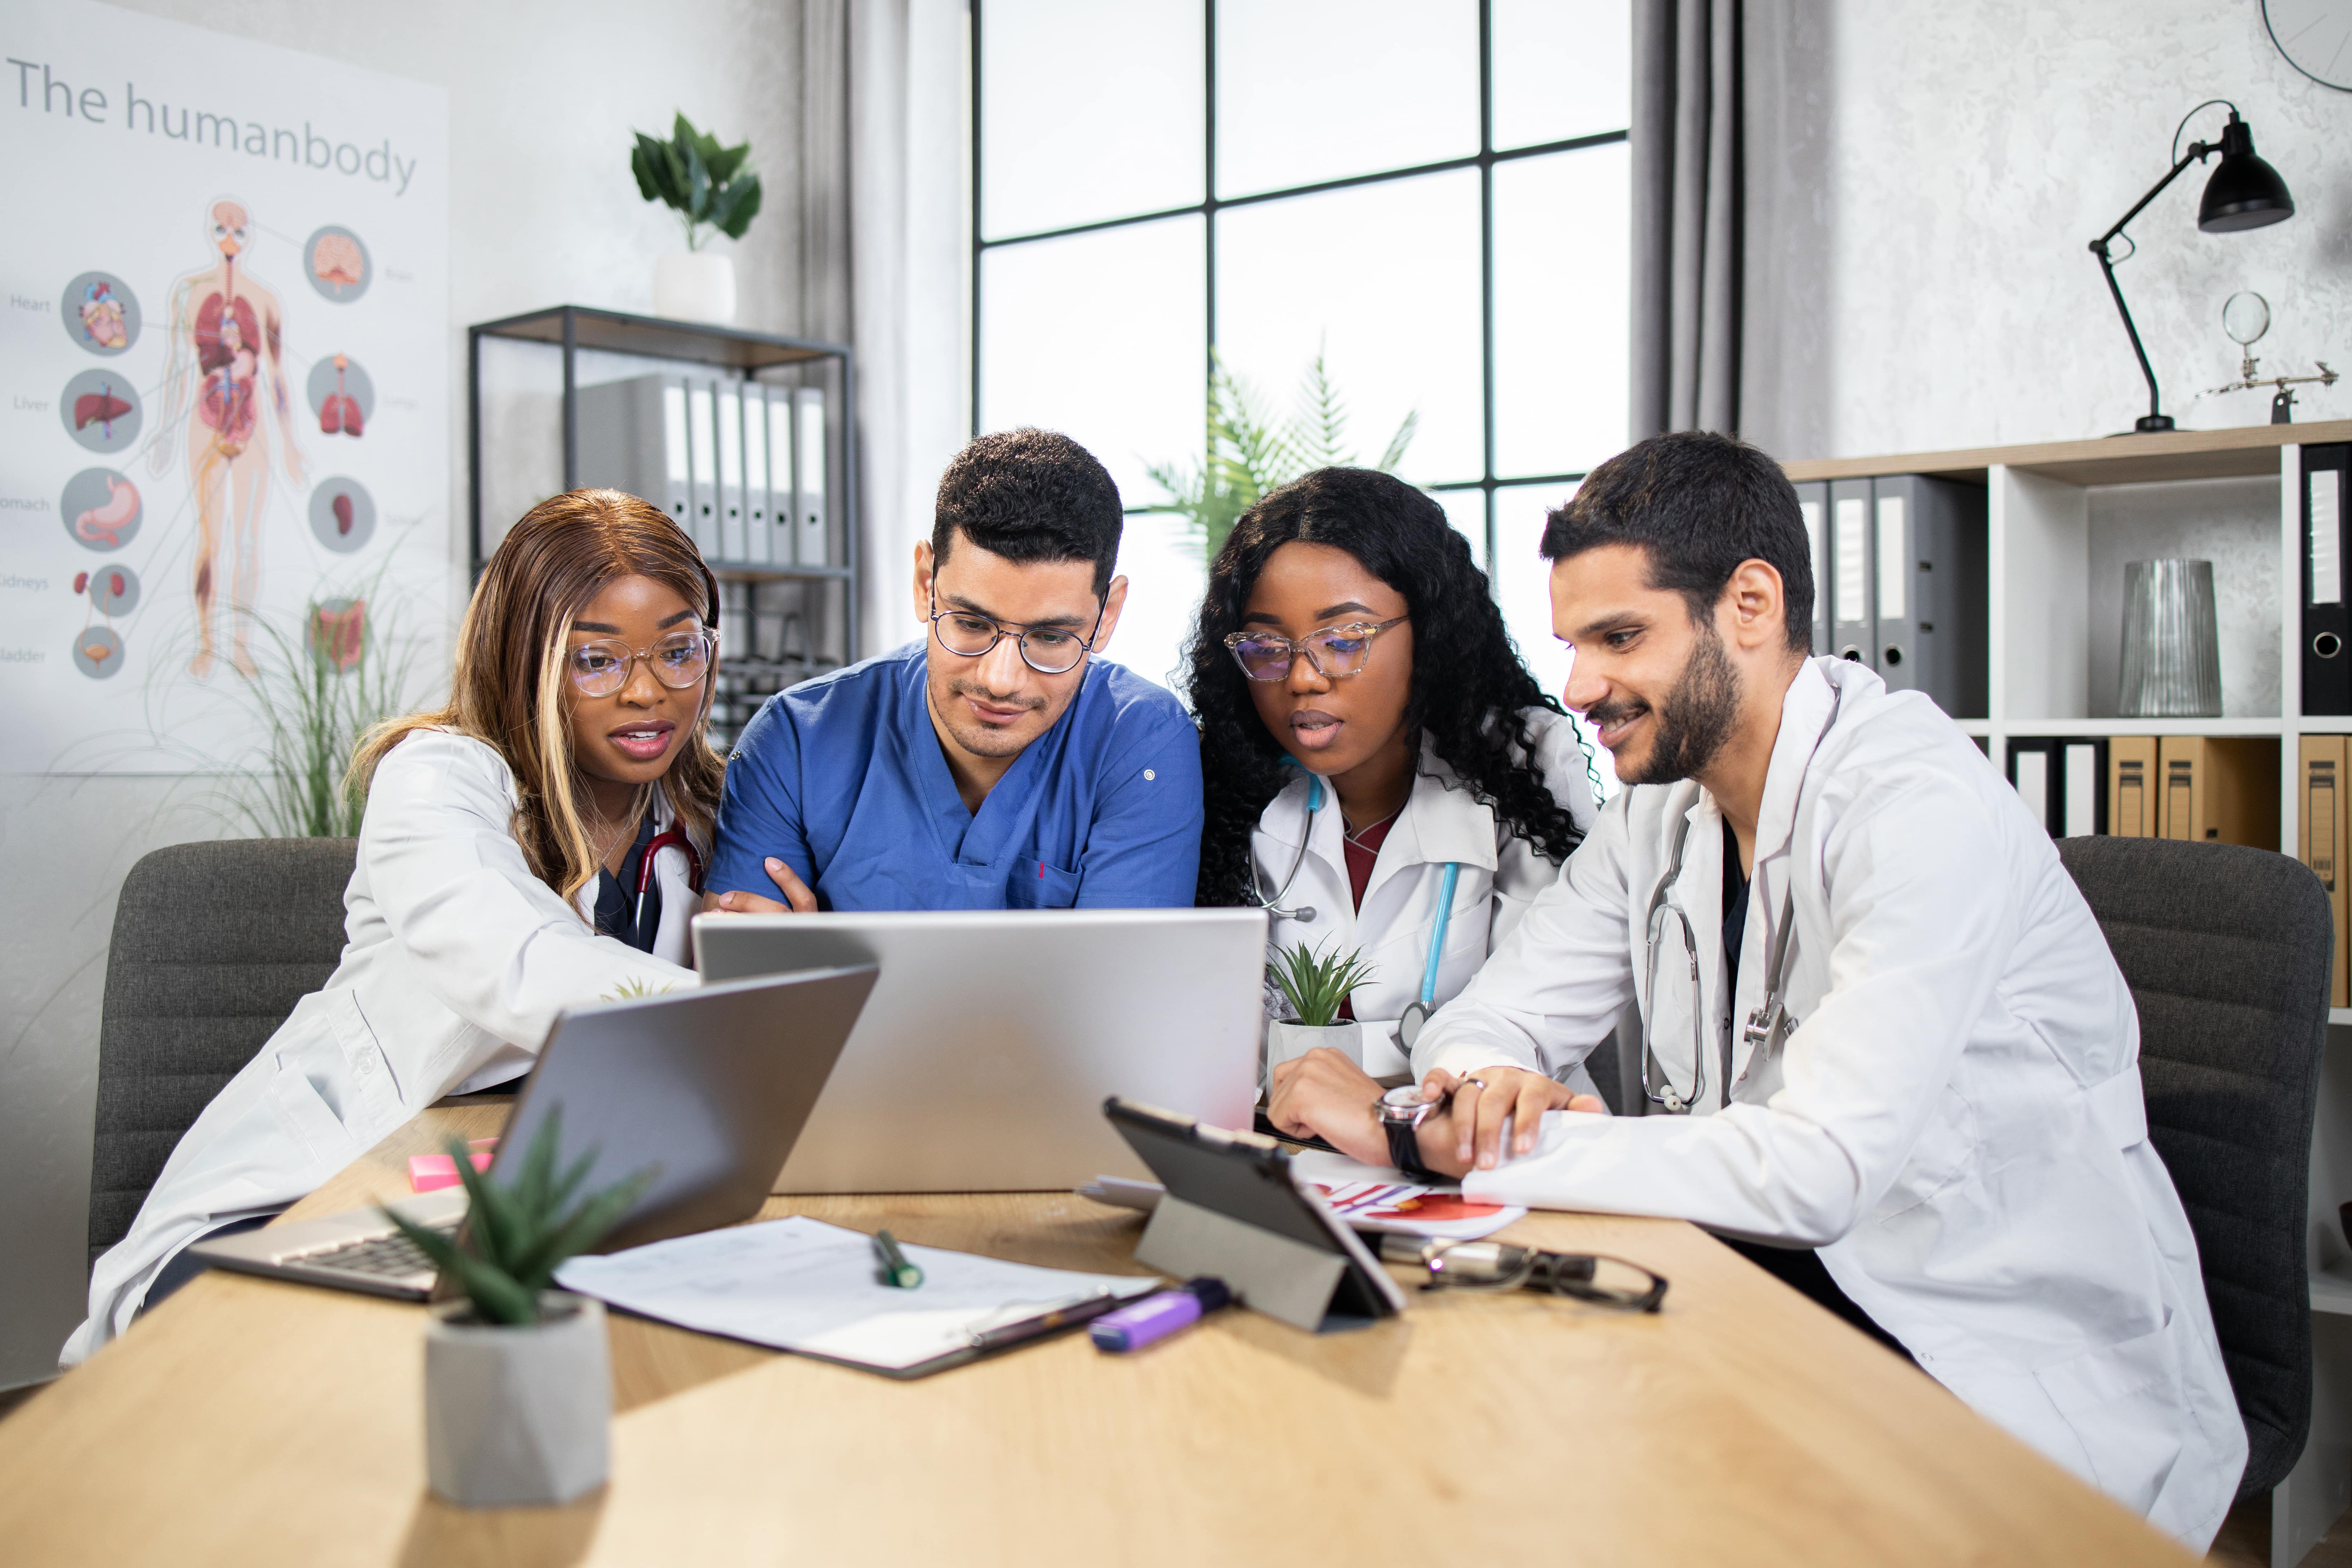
(1444, 899)
(1437, 936)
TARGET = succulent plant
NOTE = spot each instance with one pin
(518, 1233)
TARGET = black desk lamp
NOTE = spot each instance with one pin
(2243, 192)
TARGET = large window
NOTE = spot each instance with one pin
(1427, 196)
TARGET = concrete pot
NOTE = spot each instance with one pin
(695, 286)
(1286, 1040)
(517, 1416)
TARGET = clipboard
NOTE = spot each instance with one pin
(1232, 1210)
(798, 1284)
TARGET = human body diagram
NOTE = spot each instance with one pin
(226, 377)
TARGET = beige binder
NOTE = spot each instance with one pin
(2319, 829)
(2219, 791)
(2131, 787)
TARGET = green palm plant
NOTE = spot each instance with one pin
(705, 184)
(1314, 984)
(518, 1233)
(1249, 451)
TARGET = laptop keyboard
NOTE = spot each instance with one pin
(386, 1256)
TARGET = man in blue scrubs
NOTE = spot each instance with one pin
(996, 764)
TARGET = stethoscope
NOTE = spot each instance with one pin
(1416, 1013)
(1769, 1024)
(672, 834)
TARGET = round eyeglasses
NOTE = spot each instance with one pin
(678, 661)
(1048, 650)
(1335, 651)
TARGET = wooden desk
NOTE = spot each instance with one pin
(255, 1422)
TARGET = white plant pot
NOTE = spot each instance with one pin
(1286, 1040)
(695, 286)
(516, 1416)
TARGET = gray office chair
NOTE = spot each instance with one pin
(213, 944)
(2227, 951)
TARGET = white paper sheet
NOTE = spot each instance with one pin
(799, 1284)
(1369, 1197)
(1378, 1198)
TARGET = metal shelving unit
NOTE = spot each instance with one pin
(761, 595)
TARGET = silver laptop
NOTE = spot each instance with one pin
(710, 1086)
(993, 1038)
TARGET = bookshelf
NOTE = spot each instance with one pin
(2060, 520)
(783, 621)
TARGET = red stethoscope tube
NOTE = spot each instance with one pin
(668, 836)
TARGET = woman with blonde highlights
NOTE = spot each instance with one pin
(534, 845)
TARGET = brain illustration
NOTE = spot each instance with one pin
(336, 259)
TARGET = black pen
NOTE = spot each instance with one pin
(1044, 1324)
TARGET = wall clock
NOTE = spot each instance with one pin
(2315, 37)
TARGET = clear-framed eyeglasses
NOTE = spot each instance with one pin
(678, 661)
(1334, 651)
(1498, 1265)
(1048, 650)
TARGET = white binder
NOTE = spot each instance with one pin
(1851, 631)
(1813, 506)
(732, 546)
(809, 454)
(756, 535)
(702, 460)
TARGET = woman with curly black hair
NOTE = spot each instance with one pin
(1370, 744)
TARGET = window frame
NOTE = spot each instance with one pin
(1211, 205)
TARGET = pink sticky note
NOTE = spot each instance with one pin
(430, 1173)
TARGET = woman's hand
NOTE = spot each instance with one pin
(798, 900)
(1323, 1094)
(1483, 1102)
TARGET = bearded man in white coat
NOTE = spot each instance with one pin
(1906, 1075)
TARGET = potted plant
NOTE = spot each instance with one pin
(518, 1382)
(709, 188)
(1313, 986)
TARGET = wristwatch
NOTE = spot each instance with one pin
(1402, 1111)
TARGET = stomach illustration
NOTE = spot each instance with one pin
(103, 524)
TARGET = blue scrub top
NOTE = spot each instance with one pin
(842, 778)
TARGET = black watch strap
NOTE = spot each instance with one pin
(1404, 1148)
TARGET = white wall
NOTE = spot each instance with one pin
(1951, 165)
(542, 96)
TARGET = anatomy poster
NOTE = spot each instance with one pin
(224, 339)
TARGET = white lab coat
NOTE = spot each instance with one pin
(1956, 1119)
(1442, 821)
(455, 963)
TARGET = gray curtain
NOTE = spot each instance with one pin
(885, 258)
(1731, 226)
(1688, 156)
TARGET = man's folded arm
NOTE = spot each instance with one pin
(1144, 847)
(1918, 895)
(759, 811)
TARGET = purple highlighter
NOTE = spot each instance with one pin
(1159, 1315)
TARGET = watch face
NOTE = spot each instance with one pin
(1404, 1104)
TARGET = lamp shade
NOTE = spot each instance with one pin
(2245, 192)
